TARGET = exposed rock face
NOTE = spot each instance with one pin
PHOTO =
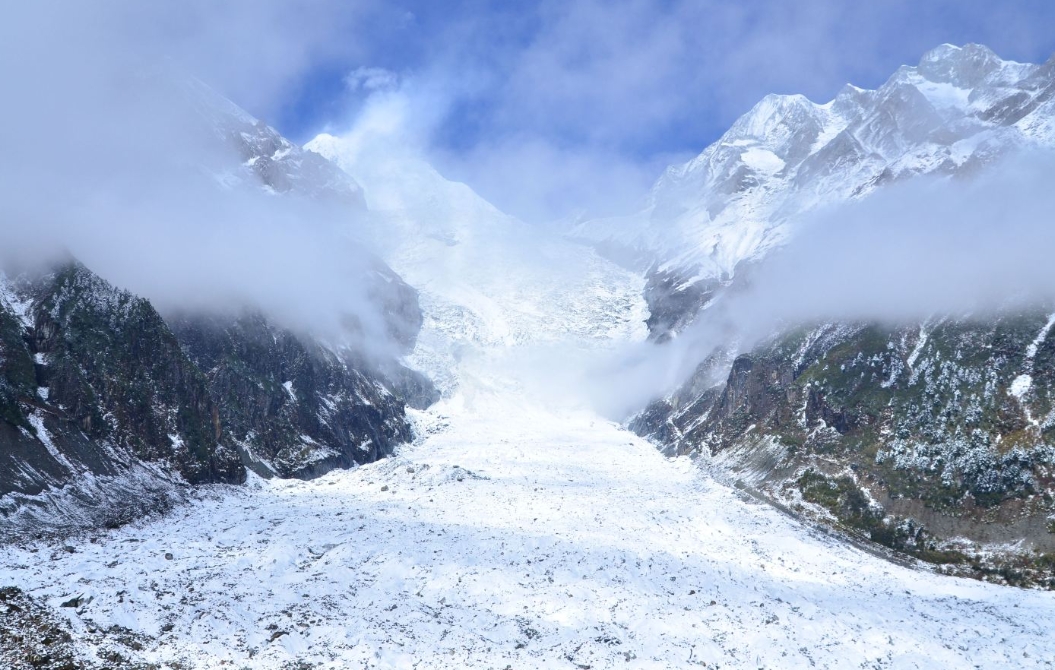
(944, 430)
(294, 407)
(96, 393)
(674, 299)
(108, 411)
(398, 303)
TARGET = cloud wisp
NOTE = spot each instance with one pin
(578, 105)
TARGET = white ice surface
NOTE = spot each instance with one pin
(762, 160)
(516, 534)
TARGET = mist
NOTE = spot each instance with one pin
(967, 248)
(108, 156)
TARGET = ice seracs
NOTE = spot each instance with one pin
(486, 278)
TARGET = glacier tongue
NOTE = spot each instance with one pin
(486, 279)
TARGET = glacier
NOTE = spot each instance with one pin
(515, 534)
(521, 528)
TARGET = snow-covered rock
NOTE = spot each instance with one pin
(961, 107)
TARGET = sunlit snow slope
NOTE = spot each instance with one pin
(487, 280)
(519, 530)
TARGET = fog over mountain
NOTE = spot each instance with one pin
(134, 166)
(924, 197)
(276, 401)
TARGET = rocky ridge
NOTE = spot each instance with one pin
(933, 438)
(110, 411)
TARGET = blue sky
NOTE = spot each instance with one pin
(719, 63)
(545, 107)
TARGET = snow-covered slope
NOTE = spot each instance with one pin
(486, 278)
(518, 530)
(513, 535)
(959, 109)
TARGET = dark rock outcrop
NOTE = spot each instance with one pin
(99, 406)
(294, 407)
(109, 411)
(944, 428)
(674, 299)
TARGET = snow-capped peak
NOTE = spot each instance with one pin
(959, 108)
(963, 67)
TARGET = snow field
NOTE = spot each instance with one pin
(516, 536)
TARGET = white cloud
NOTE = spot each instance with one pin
(965, 248)
(106, 155)
(371, 79)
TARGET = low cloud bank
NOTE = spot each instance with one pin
(964, 247)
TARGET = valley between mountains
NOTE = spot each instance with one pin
(525, 454)
(513, 534)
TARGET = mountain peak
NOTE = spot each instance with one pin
(960, 108)
(964, 67)
(770, 112)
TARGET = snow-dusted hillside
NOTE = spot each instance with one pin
(959, 109)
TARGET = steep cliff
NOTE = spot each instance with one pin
(109, 411)
(103, 415)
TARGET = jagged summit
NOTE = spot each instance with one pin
(958, 109)
(965, 67)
